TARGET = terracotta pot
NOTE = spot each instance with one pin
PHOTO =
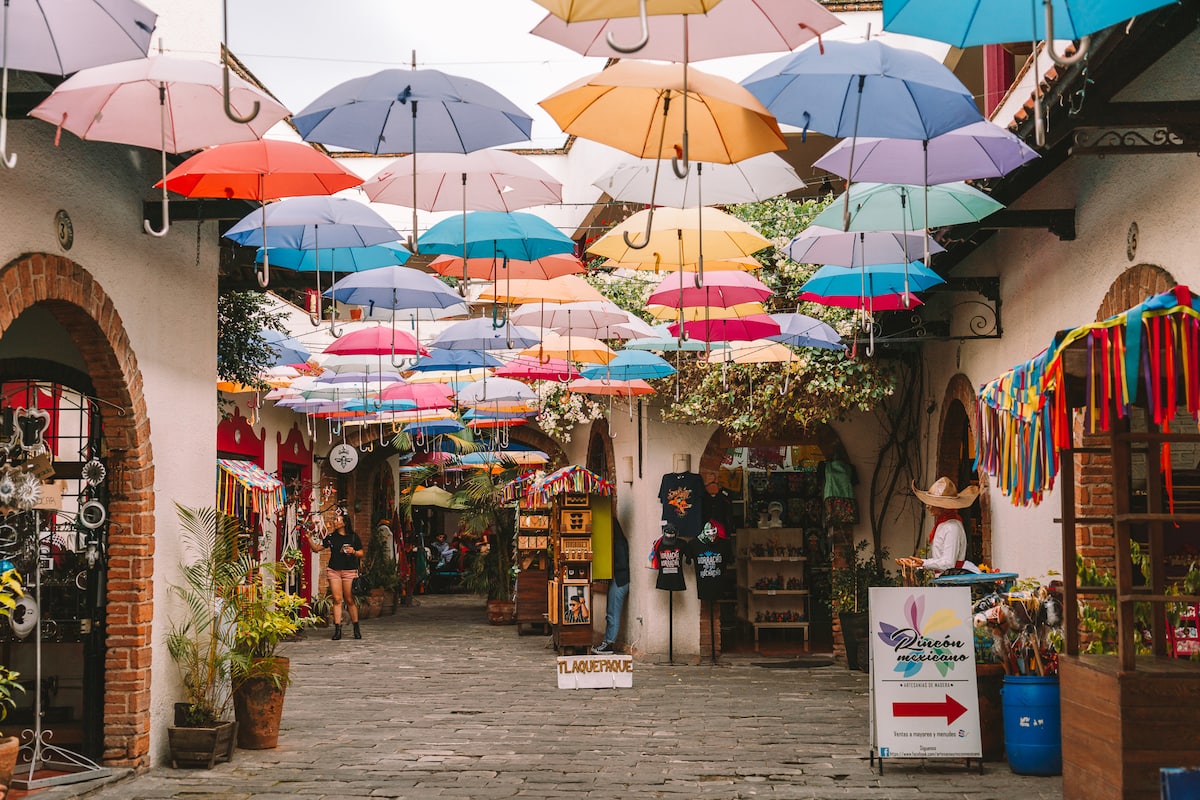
(9, 748)
(501, 612)
(258, 707)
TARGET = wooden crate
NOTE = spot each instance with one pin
(575, 521)
(536, 522)
(532, 603)
(575, 548)
(525, 542)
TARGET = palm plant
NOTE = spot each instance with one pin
(10, 590)
(478, 497)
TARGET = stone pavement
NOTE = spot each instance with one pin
(435, 703)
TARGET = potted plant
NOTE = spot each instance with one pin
(379, 569)
(10, 746)
(492, 574)
(264, 615)
(201, 641)
(848, 595)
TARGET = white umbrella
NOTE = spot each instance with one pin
(753, 179)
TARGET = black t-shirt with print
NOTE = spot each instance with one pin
(682, 497)
(670, 564)
(710, 559)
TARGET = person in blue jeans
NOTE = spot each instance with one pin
(618, 590)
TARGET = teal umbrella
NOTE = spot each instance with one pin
(899, 206)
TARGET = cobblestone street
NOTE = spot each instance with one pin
(436, 703)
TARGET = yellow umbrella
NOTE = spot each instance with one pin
(746, 264)
(676, 238)
(757, 351)
(629, 106)
(571, 348)
(695, 313)
(563, 289)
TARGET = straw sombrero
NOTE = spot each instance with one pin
(944, 494)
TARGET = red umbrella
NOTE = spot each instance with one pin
(758, 326)
(530, 368)
(490, 269)
(883, 302)
(262, 170)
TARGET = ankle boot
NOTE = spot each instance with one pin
(357, 632)
(337, 632)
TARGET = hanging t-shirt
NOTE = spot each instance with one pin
(709, 558)
(720, 508)
(670, 564)
(682, 497)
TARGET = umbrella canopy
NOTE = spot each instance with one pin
(432, 496)
(576, 10)
(979, 150)
(563, 289)
(757, 178)
(406, 111)
(532, 368)
(730, 28)
(309, 223)
(893, 206)
(631, 365)
(434, 427)
(490, 269)
(632, 388)
(627, 106)
(497, 235)
(265, 169)
(979, 22)
(439, 359)
(895, 301)
(817, 244)
(676, 236)
(572, 348)
(377, 340)
(718, 289)
(728, 330)
(864, 89)
(395, 288)
(692, 313)
(424, 396)
(798, 330)
(484, 180)
(577, 316)
(488, 458)
(744, 263)
(665, 342)
(500, 394)
(481, 334)
(336, 259)
(287, 349)
(757, 351)
(870, 281)
(632, 329)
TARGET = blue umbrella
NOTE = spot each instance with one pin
(798, 330)
(514, 235)
(413, 111)
(442, 359)
(867, 88)
(395, 288)
(313, 223)
(287, 350)
(479, 334)
(434, 427)
(339, 259)
(877, 280)
(631, 365)
(664, 342)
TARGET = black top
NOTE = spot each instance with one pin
(338, 559)
(709, 558)
(620, 564)
(682, 496)
(670, 564)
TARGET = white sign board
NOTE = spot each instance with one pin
(595, 672)
(923, 697)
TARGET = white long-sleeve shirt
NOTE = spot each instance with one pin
(949, 546)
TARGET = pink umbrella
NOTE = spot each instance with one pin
(377, 340)
(716, 289)
(485, 180)
(426, 396)
(531, 368)
(758, 326)
(883, 302)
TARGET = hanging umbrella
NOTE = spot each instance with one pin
(377, 340)
(532, 368)
(894, 301)
(758, 178)
(818, 244)
(287, 349)
(336, 259)
(665, 342)
(433, 427)
(582, 10)
(631, 365)
(497, 234)
(693, 313)
(634, 328)
(757, 351)
(479, 334)
(718, 289)
(379, 114)
(499, 457)
(894, 206)
(563, 289)
(440, 359)
(877, 280)
(675, 239)
(162, 102)
(310, 223)
(490, 269)
(743, 263)
(798, 330)
(631, 388)
(483, 180)
(572, 348)
(727, 330)
(498, 394)
(432, 496)
(423, 396)
(63, 37)
(577, 316)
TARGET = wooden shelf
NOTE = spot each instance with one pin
(773, 558)
(773, 592)
(780, 625)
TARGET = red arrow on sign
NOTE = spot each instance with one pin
(951, 709)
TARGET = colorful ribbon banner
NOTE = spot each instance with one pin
(245, 489)
(568, 480)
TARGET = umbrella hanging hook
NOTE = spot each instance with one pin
(162, 132)
(1064, 60)
(263, 276)
(640, 43)
(9, 159)
(229, 112)
(679, 162)
(498, 320)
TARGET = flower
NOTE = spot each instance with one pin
(560, 410)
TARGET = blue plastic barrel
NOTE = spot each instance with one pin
(1032, 724)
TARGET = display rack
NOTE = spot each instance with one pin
(773, 581)
(533, 563)
(571, 579)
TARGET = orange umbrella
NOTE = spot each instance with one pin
(615, 388)
(491, 269)
(746, 263)
(694, 313)
(571, 348)
(563, 289)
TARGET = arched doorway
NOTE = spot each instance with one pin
(956, 460)
(88, 373)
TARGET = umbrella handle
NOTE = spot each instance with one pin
(229, 112)
(649, 224)
(334, 331)
(162, 130)
(10, 159)
(498, 323)
(263, 276)
(1064, 60)
(369, 448)
(681, 157)
(640, 43)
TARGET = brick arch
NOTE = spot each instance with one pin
(956, 436)
(1132, 287)
(81, 306)
(823, 435)
(600, 451)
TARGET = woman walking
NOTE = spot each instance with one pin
(345, 549)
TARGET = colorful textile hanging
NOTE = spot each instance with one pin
(245, 489)
(1023, 418)
(568, 480)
